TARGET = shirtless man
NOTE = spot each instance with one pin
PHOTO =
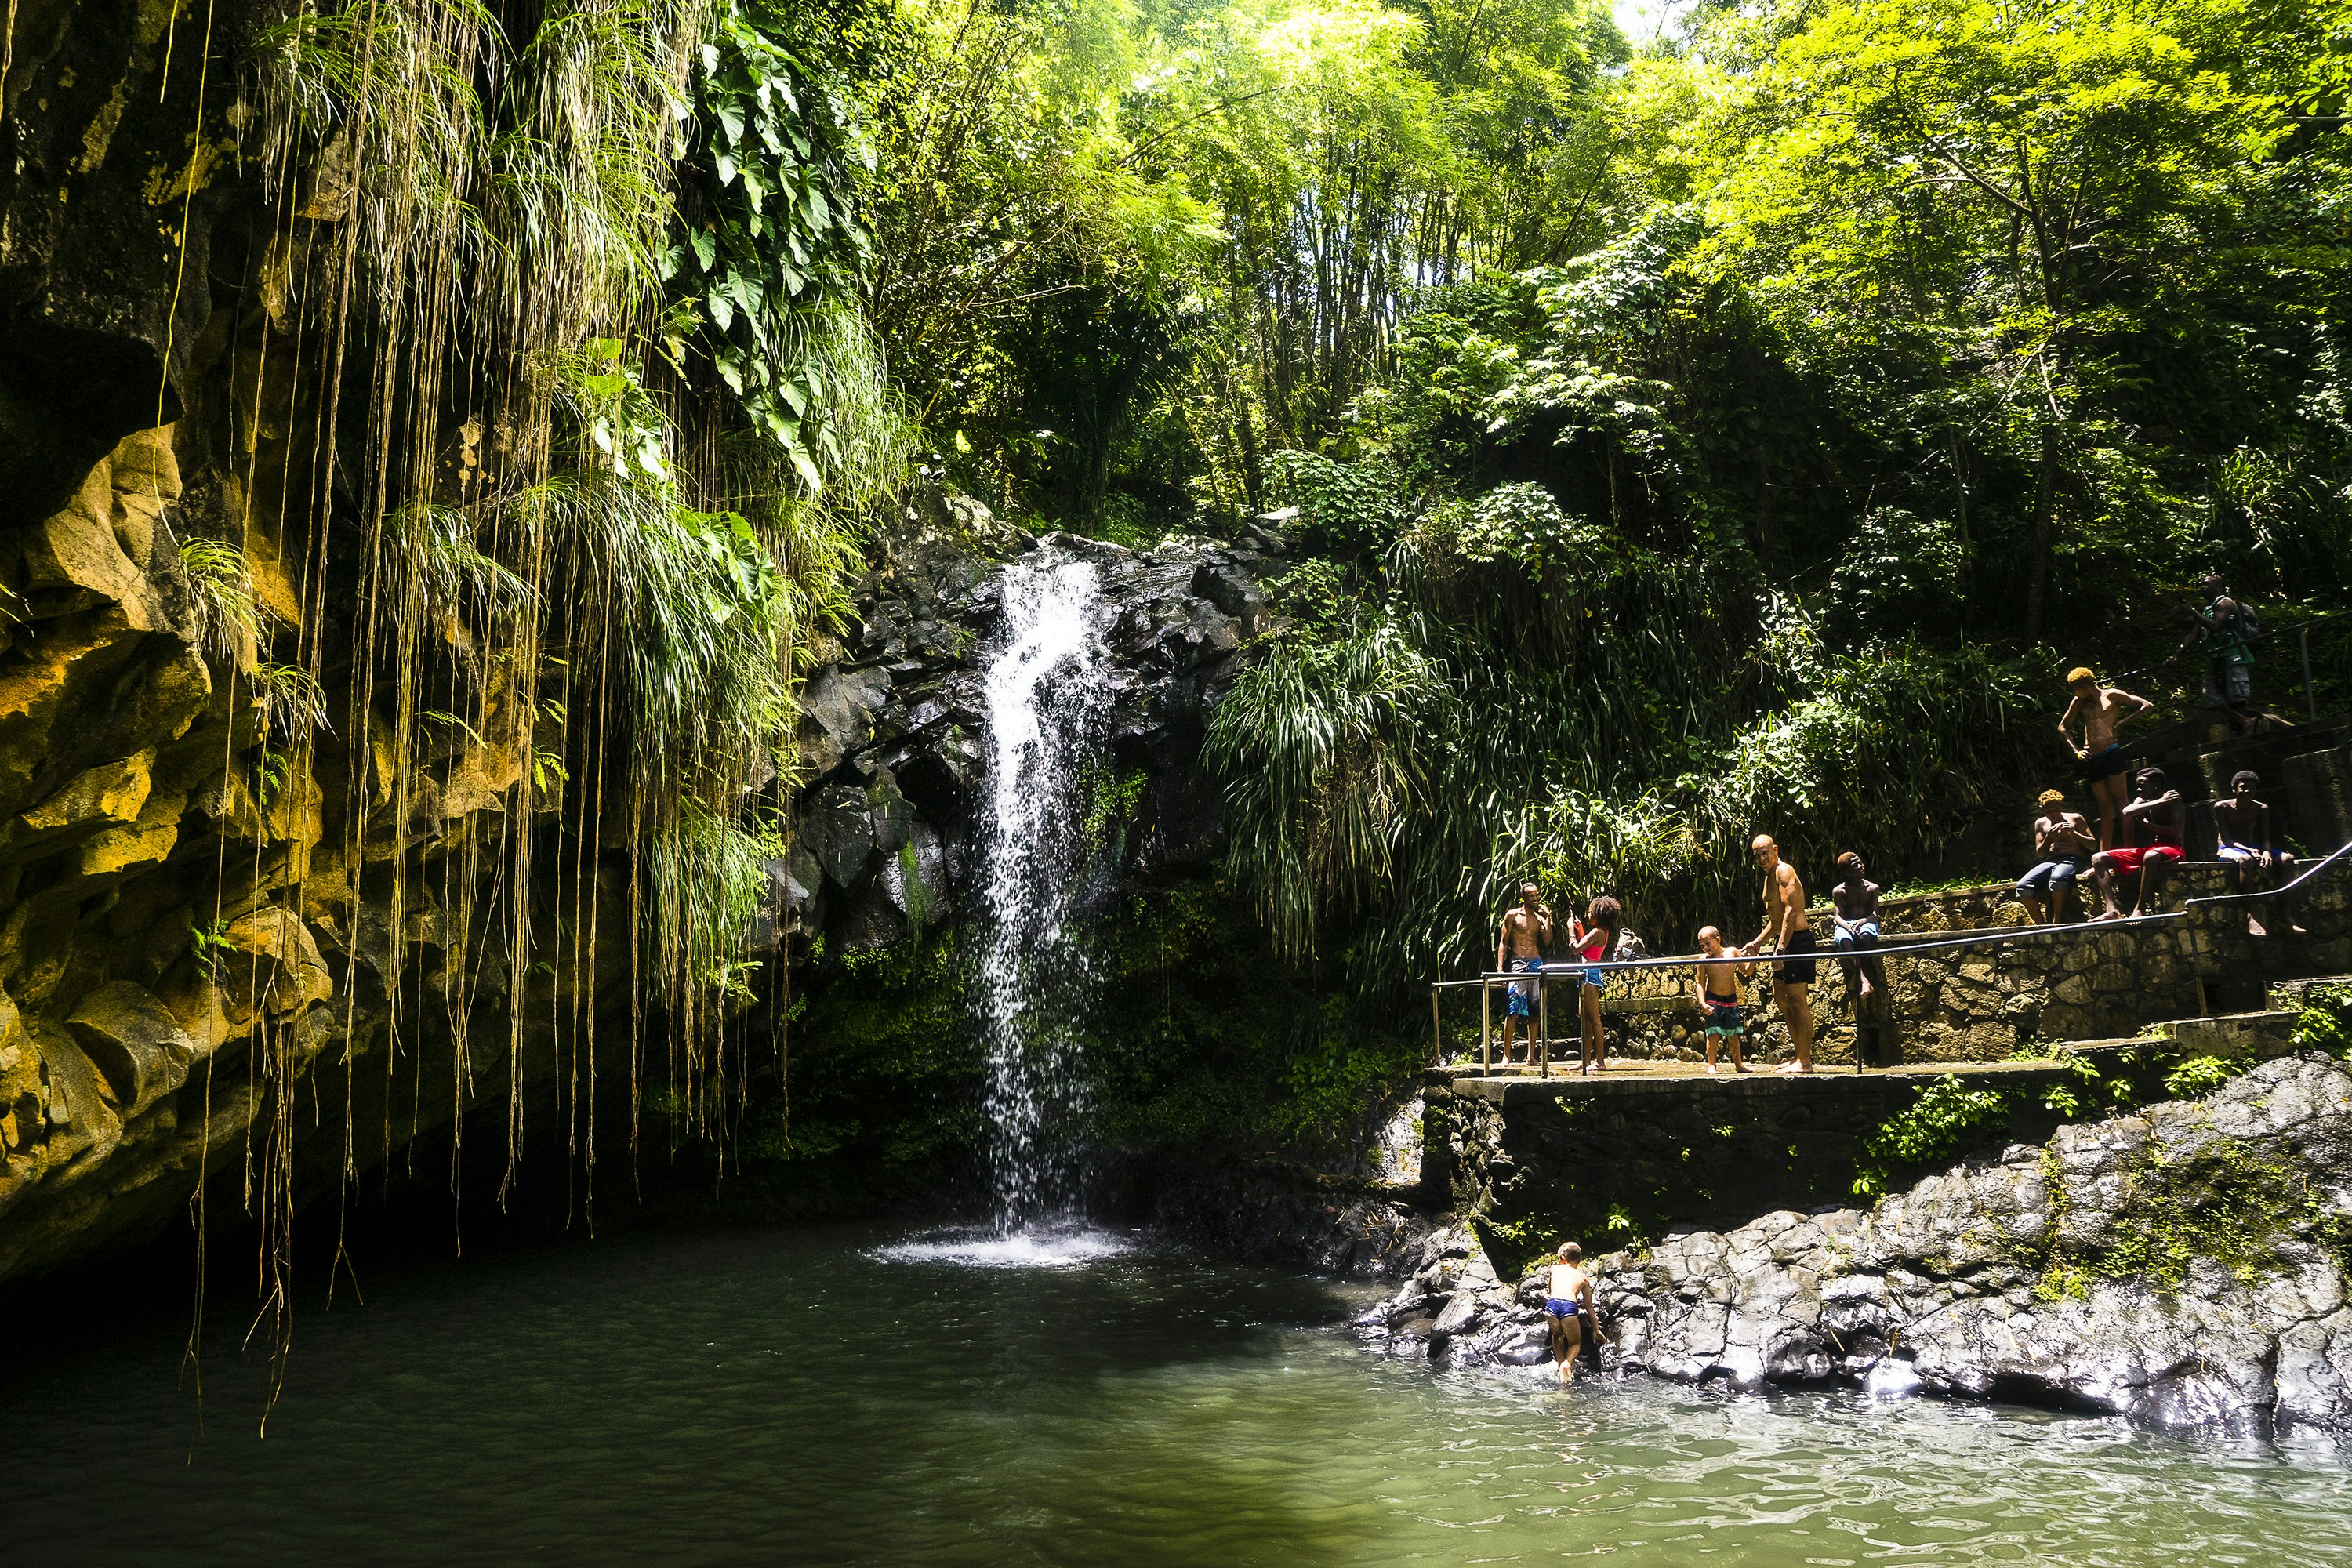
(1567, 1307)
(2099, 760)
(1792, 933)
(2242, 821)
(1856, 900)
(1527, 932)
(2063, 845)
(1716, 985)
(2156, 819)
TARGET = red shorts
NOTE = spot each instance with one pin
(2130, 860)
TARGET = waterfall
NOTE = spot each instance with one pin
(1044, 702)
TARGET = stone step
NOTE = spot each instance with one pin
(2258, 1036)
(2297, 994)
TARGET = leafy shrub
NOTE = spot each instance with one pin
(2199, 1075)
(1930, 1129)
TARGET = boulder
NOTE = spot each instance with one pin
(134, 1041)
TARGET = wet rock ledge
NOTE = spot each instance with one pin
(2185, 1265)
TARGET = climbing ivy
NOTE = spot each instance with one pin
(771, 239)
(1930, 1127)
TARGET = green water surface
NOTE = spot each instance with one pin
(810, 1395)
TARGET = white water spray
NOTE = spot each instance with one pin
(1045, 700)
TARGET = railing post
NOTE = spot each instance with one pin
(1436, 1031)
(1485, 1024)
(1542, 1053)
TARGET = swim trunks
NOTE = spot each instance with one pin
(1554, 1307)
(1521, 1004)
(1724, 1018)
(1856, 934)
(2130, 860)
(2101, 764)
(2238, 852)
(1798, 970)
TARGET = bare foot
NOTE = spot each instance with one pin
(1710, 1067)
(1794, 1067)
(2109, 915)
(2294, 929)
(2254, 927)
(1739, 1067)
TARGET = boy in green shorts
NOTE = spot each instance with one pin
(1716, 985)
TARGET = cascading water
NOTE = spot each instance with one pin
(1046, 701)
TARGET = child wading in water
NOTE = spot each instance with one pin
(1717, 985)
(1567, 1307)
(1595, 937)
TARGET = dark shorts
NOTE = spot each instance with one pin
(1798, 970)
(2104, 764)
(1723, 1018)
(2228, 685)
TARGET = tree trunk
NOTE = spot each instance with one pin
(2037, 580)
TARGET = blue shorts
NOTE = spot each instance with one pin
(1521, 1001)
(1861, 934)
(1723, 1019)
(1596, 978)
(1556, 1308)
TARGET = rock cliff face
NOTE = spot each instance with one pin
(2186, 1265)
(893, 732)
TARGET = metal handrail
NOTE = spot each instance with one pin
(1551, 968)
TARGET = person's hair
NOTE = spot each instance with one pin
(1706, 931)
(2212, 577)
(1605, 913)
(2076, 676)
(1571, 1251)
(1848, 863)
(2246, 776)
(2148, 775)
(2050, 797)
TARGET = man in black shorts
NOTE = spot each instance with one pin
(1786, 925)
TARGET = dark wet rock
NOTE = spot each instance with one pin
(891, 743)
(2185, 1266)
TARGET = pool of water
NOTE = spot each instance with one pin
(852, 1396)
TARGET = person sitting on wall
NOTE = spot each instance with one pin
(1519, 949)
(1855, 926)
(2099, 760)
(1717, 984)
(2242, 821)
(2157, 820)
(2063, 845)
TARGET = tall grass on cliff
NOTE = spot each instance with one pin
(600, 482)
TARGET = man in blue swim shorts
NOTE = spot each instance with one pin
(1527, 930)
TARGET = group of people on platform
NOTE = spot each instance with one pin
(1528, 930)
(2141, 830)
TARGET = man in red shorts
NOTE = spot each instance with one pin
(2154, 821)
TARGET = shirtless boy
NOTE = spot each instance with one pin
(2156, 819)
(2063, 845)
(1567, 1307)
(1786, 925)
(1526, 931)
(2099, 760)
(2242, 821)
(1716, 985)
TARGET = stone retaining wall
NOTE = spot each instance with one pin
(1981, 1003)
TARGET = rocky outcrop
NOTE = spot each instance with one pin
(2186, 1265)
(892, 730)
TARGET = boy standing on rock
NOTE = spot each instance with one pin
(1526, 931)
(2099, 760)
(1567, 1307)
(1786, 924)
(1717, 985)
